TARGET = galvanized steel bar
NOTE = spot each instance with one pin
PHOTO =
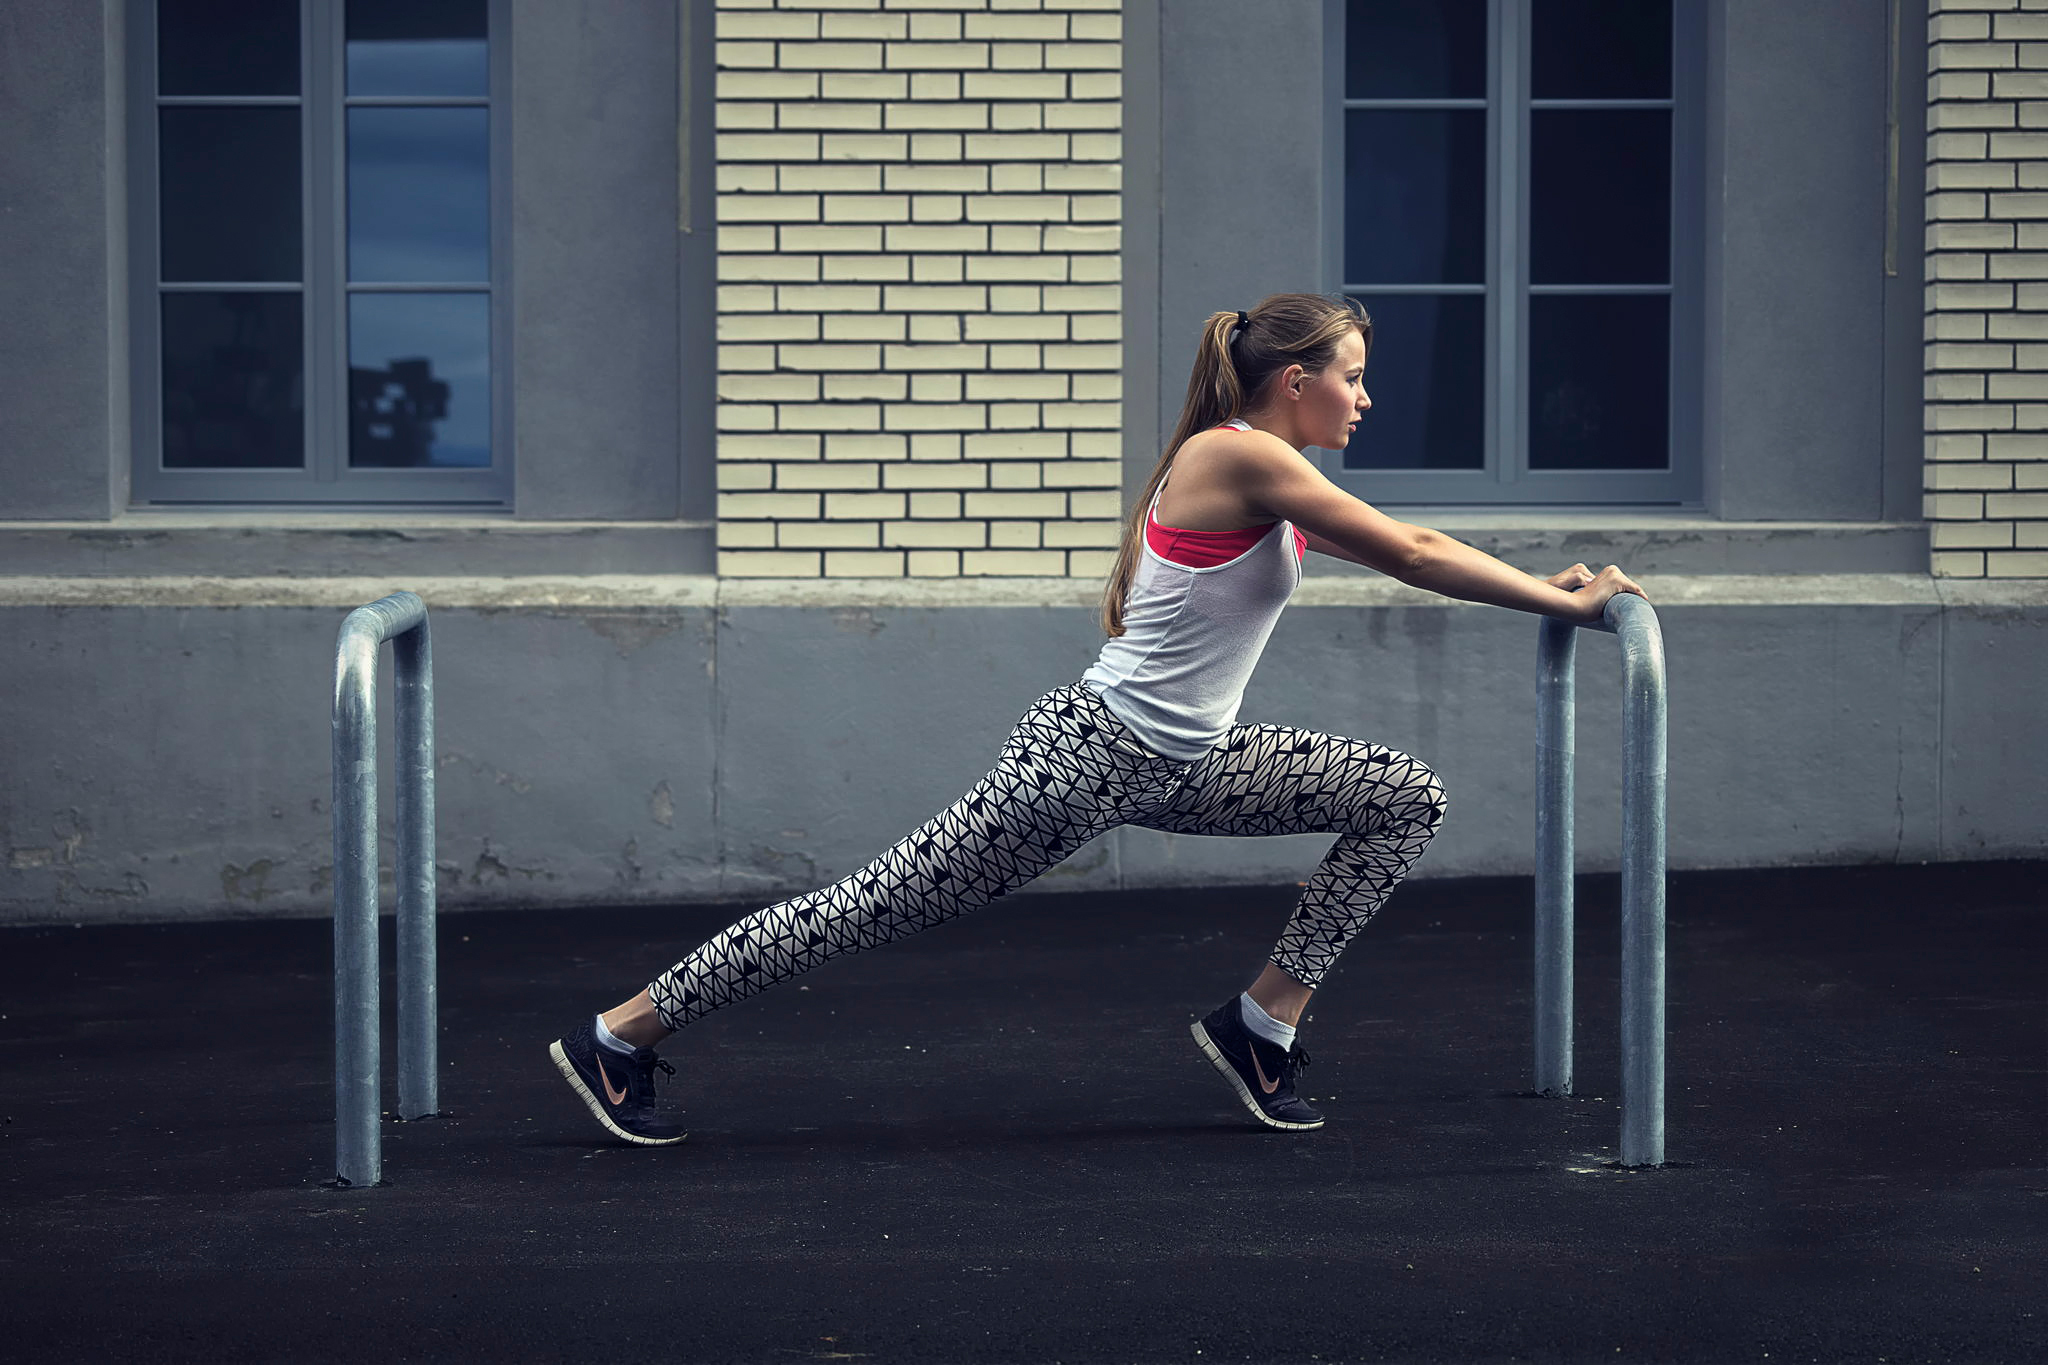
(358, 1148)
(1557, 647)
(1642, 880)
(1642, 868)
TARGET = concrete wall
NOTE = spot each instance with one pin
(673, 738)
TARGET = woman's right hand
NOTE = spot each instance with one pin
(1589, 603)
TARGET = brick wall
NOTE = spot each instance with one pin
(919, 365)
(1987, 287)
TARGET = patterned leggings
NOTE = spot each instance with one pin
(1071, 771)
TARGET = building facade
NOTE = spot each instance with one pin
(754, 389)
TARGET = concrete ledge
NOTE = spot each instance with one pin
(260, 544)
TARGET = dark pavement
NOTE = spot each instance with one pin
(997, 1142)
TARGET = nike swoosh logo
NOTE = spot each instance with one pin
(1268, 1086)
(619, 1096)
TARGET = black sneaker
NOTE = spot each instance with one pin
(1262, 1073)
(619, 1089)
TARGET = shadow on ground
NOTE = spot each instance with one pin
(997, 1142)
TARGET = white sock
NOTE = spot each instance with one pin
(610, 1040)
(1265, 1025)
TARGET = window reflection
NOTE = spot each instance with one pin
(233, 381)
(1599, 381)
(419, 380)
(419, 199)
(418, 47)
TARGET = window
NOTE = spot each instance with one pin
(1520, 216)
(319, 309)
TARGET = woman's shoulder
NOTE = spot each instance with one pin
(1234, 451)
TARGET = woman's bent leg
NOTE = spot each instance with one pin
(1061, 781)
(1272, 779)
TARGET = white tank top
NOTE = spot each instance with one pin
(1192, 636)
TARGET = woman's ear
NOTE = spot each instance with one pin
(1290, 379)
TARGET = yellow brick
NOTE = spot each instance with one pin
(1018, 147)
(1970, 535)
(934, 564)
(930, 114)
(865, 446)
(1017, 118)
(829, 298)
(1953, 564)
(970, 535)
(827, 474)
(935, 388)
(1090, 563)
(1096, 504)
(934, 298)
(1093, 175)
(1027, 27)
(1013, 356)
(735, 116)
(1012, 445)
(1096, 445)
(1017, 56)
(1015, 298)
(1080, 56)
(1095, 208)
(835, 356)
(936, 417)
(1014, 85)
(767, 208)
(840, 238)
(735, 55)
(1092, 115)
(937, 57)
(1952, 506)
(1013, 535)
(746, 358)
(935, 208)
(1098, 327)
(845, 387)
(828, 535)
(767, 506)
(823, 56)
(841, 176)
(863, 146)
(1978, 475)
(936, 237)
(1013, 564)
(2032, 505)
(756, 24)
(935, 445)
(2016, 564)
(956, 179)
(1096, 146)
(838, 117)
(1020, 474)
(863, 85)
(746, 535)
(935, 85)
(767, 564)
(1100, 27)
(1017, 177)
(935, 357)
(774, 447)
(768, 388)
(1097, 85)
(767, 147)
(741, 238)
(1096, 357)
(767, 85)
(864, 327)
(1031, 386)
(1020, 327)
(936, 28)
(936, 506)
(770, 269)
(1043, 268)
(877, 26)
(736, 477)
(828, 417)
(935, 328)
(746, 417)
(1015, 504)
(863, 506)
(1096, 269)
(1083, 299)
(746, 178)
(1098, 387)
(866, 208)
(872, 268)
(863, 564)
(936, 270)
(960, 474)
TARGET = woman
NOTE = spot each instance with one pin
(1148, 735)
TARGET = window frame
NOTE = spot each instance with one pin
(325, 480)
(1505, 478)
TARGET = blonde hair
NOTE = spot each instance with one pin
(1233, 363)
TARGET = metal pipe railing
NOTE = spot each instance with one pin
(1642, 868)
(402, 619)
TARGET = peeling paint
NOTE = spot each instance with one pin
(249, 883)
(450, 758)
(662, 805)
(631, 631)
(858, 619)
(629, 863)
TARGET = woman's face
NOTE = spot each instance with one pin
(1333, 401)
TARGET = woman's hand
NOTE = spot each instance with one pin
(1590, 591)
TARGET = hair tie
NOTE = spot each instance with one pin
(1244, 319)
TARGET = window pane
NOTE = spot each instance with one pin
(1426, 377)
(227, 47)
(1601, 49)
(234, 381)
(1415, 196)
(1599, 381)
(419, 195)
(230, 194)
(1415, 49)
(1600, 196)
(419, 380)
(418, 47)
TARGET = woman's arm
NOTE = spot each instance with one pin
(1276, 481)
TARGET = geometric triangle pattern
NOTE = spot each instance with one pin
(1068, 772)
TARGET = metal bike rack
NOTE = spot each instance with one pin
(402, 619)
(1642, 868)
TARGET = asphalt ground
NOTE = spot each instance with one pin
(996, 1141)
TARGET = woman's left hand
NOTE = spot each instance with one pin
(1572, 579)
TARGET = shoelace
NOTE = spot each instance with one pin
(644, 1062)
(1297, 1062)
